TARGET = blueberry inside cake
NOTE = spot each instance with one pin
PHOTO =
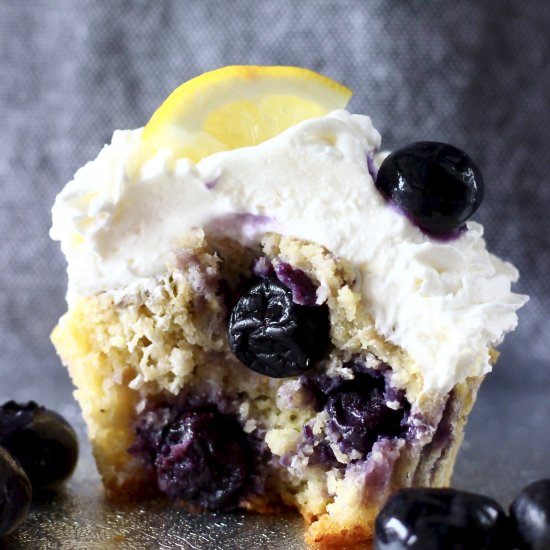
(291, 320)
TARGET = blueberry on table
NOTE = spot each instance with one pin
(530, 516)
(436, 185)
(272, 335)
(441, 519)
(41, 440)
(203, 458)
(15, 493)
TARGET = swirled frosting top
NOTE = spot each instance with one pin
(445, 303)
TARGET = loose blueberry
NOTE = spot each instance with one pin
(41, 440)
(361, 416)
(15, 494)
(436, 185)
(203, 459)
(272, 335)
(441, 519)
(530, 515)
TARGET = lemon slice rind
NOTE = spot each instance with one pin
(238, 106)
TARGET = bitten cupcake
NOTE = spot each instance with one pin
(265, 311)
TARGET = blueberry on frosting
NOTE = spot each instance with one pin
(436, 185)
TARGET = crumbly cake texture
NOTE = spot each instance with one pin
(162, 342)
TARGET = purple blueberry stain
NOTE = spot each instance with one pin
(295, 395)
(262, 267)
(378, 469)
(317, 448)
(304, 291)
(202, 281)
(244, 226)
(444, 432)
(211, 184)
(323, 455)
(187, 259)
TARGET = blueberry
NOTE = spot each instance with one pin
(436, 185)
(322, 455)
(15, 493)
(361, 417)
(203, 458)
(272, 335)
(441, 519)
(530, 514)
(149, 429)
(41, 440)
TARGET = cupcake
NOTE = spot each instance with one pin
(265, 311)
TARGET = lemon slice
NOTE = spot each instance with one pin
(238, 106)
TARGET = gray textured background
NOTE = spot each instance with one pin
(476, 74)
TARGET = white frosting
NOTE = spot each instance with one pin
(444, 303)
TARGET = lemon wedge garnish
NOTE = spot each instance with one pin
(238, 106)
